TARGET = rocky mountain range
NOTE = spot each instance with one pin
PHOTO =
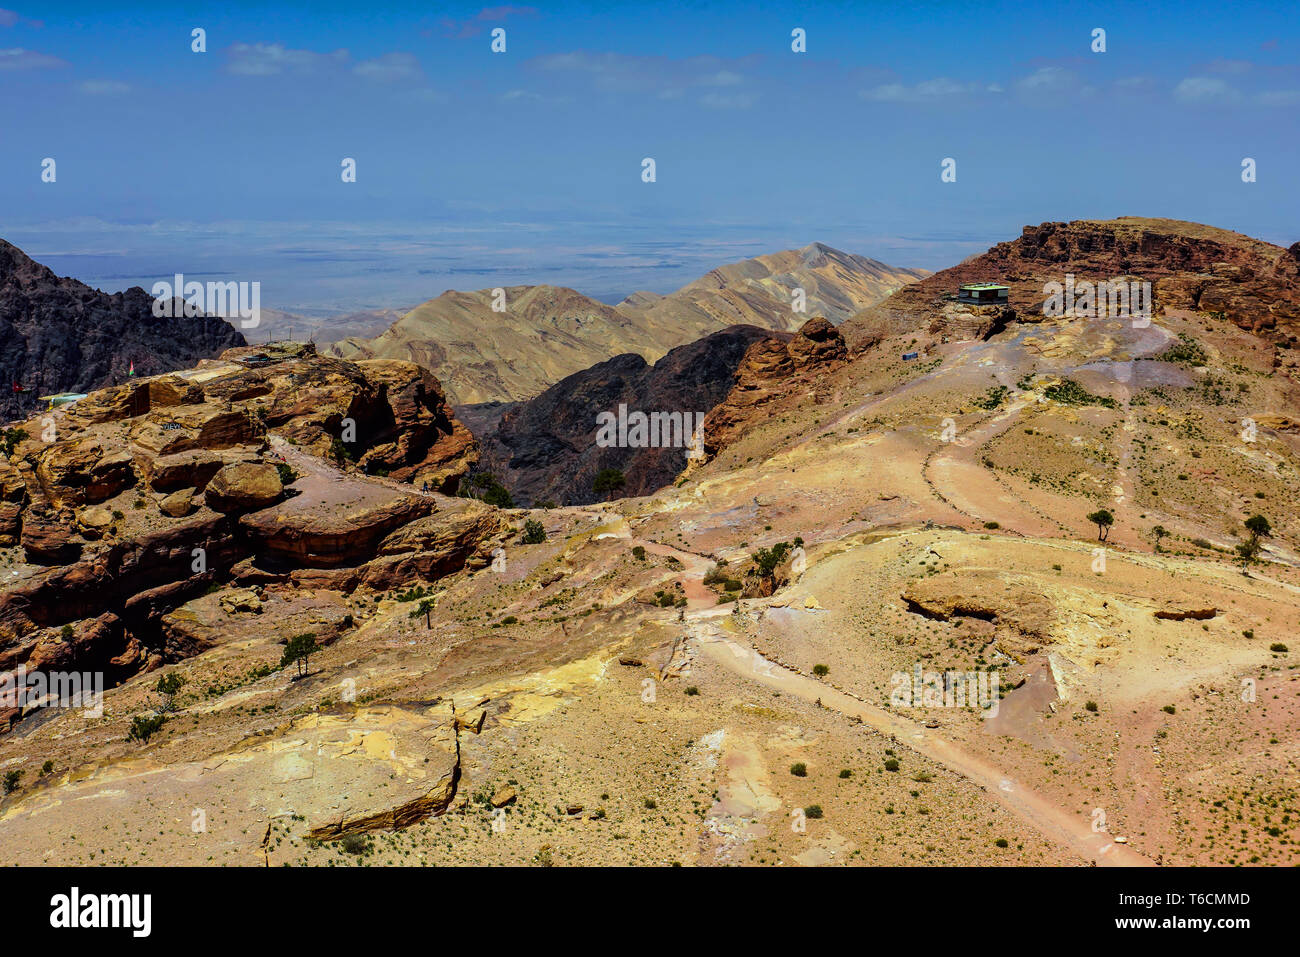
(485, 348)
(60, 335)
(1090, 524)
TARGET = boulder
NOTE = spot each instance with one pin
(81, 470)
(94, 522)
(241, 601)
(210, 425)
(178, 504)
(193, 469)
(243, 487)
(817, 343)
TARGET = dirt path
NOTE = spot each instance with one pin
(1045, 816)
(963, 483)
(1050, 819)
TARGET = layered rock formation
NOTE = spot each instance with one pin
(147, 496)
(771, 370)
(60, 335)
(1254, 284)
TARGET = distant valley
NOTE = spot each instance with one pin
(548, 332)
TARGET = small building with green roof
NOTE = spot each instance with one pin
(982, 294)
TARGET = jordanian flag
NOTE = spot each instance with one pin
(131, 371)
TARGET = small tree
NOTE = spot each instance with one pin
(534, 533)
(769, 559)
(1259, 528)
(11, 781)
(425, 608)
(608, 481)
(168, 686)
(1103, 520)
(299, 649)
(339, 452)
(485, 487)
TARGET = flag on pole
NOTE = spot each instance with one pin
(131, 371)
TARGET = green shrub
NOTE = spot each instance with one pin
(1069, 392)
(608, 481)
(799, 769)
(355, 844)
(143, 726)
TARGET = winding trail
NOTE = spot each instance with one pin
(1040, 812)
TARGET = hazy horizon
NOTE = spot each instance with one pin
(477, 169)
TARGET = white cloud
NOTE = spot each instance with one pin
(927, 91)
(1204, 89)
(1049, 79)
(662, 76)
(390, 68)
(104, 87)
(268, 59)
(17, 58)
(729, 101)
(1279, 98)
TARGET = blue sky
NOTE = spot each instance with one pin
(477, 169)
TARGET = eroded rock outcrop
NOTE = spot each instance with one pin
(138, 501)
(1023, 613)
(773, 370)
(1254, 284)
